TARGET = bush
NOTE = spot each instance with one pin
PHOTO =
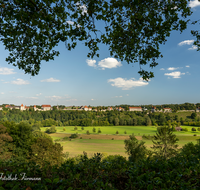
(99, 130)
(185, 129)
(195, 135)
(193, 129)
(87, 132)
(198, 128)
(73, 136)
(125, 132)
(94, 130)
(112, 139)
(117, 132)
(64, 129)
(75, 128)
(80, 137)
(51, 130)
(65, 138)
(82, 128)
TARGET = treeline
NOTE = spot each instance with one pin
(89, 118)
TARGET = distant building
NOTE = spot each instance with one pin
(85, 108)
(110, 108)
(46, 107)
(178, 128)
(153, 109)
(167, 110)
(1, 108)
(198, 109)
(135, 108)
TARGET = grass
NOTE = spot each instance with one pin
(103, 142)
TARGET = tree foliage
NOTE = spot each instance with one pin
(134, 30)
(135, 149)
(164, 143)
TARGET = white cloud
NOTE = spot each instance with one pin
(72, 23)
(162, 69)
(127, 84)
(194, 3)
(92, 99)
(176, 74)
(50, 80)
(6, 71)
(120, 96)
(109, 63)
(82, 7)
(187, 66)
(32, 98)
(39, 94)
(127, 94)
(193, 47)
(19, 82)
(186, 42)
(91, 62)
(56, 98)
(2, 92)
(172, 68)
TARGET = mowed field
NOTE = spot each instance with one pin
(110, 143)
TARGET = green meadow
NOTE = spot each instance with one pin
(110, 143)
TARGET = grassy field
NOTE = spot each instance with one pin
(103, 142)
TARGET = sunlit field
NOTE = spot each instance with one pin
(110, 143)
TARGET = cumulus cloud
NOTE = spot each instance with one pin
(186, 42)
(6, 71)
(109, 63)
(50, 80)
(82, 7)
(39, 94)
(127, 94)
(2, 92)
(92, 99)
(172, 68)
(91, 62)
(20, 82)
(194, 3)
(120, 96)
(162, 69)
(127, 84)
(193, 47)
(187, 66)
(176, 74)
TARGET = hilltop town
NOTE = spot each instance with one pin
(90, 108)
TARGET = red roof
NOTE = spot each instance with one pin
(22, 105)
(135, 107)
(85, 107)
(34, 106)
(7, 106)
(46, 106)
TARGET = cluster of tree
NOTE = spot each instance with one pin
(23, 143)
(84, 118)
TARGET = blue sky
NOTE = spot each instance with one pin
(73, 79)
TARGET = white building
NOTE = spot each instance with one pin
(135, 108)
(46, 107)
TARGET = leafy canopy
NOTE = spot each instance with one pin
(134, 29)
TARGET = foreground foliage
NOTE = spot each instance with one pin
(113, 172)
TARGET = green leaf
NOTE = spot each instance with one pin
(56, 180)
(48, 180)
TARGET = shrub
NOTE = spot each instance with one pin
(94, 130)
(117, 132)
(73, 136)
(99, 130)
(80, 137)
(124, 132)
(112, 139)
(198, 128)
(51, 130)
(87, 132)
(75, 128)
(65, 138)
(193, 129)
(185, 129)
(195, 135)
(82, 128)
